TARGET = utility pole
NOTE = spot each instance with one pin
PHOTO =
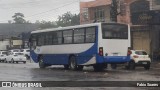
(113, 10)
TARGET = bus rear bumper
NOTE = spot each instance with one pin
(116, 59)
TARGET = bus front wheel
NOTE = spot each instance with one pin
(41, 63)
(131, 65)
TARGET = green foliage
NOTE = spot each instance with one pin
(18, 18)
(113, 10)
(68, 19)
(46, 24)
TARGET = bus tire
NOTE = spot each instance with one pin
(80, 67)
(131, 65)
(73, 63)
(114, 66)
(105, 66)
(98, 67)
(41, 63)
(66, 67)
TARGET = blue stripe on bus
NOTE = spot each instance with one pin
(116, 59)
(61, 59)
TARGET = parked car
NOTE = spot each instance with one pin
(16, 57)
(14, 50)
(26, 52)
(3, 55)
(139, 58)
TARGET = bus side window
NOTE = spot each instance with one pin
(57, 37)
(68, 38)
(90, 35)
(79, 35)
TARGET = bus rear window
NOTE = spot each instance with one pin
(5, 53)
(114, 31)
(140, 53)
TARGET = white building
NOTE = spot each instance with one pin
(4, 44)
(10, 44)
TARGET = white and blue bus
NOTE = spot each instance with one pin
(95, 44)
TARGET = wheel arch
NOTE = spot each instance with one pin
(69, 56)
(39, 56)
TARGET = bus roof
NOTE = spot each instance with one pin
(68, 27)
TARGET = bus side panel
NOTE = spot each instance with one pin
(61, 59)
(56, 59)
(89, 55)
(84, 57)
(100, 59)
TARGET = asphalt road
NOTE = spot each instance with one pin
(31, 72)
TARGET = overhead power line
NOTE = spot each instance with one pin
(19, 3)
(51, 9)
(47, 10)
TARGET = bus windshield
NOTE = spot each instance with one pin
(114, 31)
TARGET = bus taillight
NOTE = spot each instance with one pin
(101, 51)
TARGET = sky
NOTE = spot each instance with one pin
(33, 10)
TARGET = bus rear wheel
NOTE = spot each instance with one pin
(66, 67)
(73, 64)
(41, 63)
(114, 66)
(98, 67)
(131, 65)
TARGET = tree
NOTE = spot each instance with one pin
(19, 18)
(75, 20)
(68, 19)
(113, 10)
(46, 24)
